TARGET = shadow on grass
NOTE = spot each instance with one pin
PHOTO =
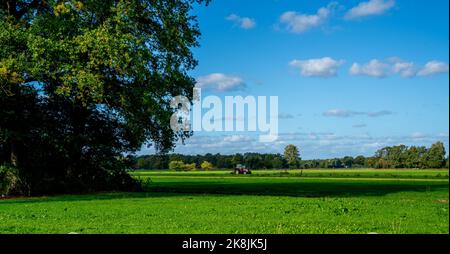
(290, 189)
(299, 189)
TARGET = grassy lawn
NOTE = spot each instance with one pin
(341, 173)
(320, 201)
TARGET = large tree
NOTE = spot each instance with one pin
(435, 156)
(292, 156)
(84, 82)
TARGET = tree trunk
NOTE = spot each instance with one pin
(14, 158)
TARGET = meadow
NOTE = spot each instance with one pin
(267, 202)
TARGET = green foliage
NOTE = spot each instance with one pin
(176, 165)
(277, 162)
(292, 156)
(237, 159)
(181, 166)
(218, 161)
(206, 166)
(190, 167)
(84, 82)
(436, 155)
(9, 181)
(359, 161)
(410, 157)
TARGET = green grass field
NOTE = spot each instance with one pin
(269, 202)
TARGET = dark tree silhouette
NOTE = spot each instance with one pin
(84, 82)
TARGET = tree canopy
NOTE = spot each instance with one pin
(84, 82)
(292, 156)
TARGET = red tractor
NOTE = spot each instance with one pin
(241, 170)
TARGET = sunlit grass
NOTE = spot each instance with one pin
(351, 201)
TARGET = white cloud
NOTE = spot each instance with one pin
(237, 138)
(322, 67)
(443, 135)
(433, 67)
(295, 22)
(242, 22)
(404, 68)
(339, 113)
(349, 113)
(374, 68)
(220, 82)
(418, 135)
(370, 8)
(395, 65)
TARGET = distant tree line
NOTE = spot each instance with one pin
(218, 161)
(400, 156)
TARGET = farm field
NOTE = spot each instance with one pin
(267, 202)
(323, 173)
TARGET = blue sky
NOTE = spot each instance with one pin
(351, 76)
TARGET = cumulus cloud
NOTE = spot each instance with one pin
(237, 138)
(321, 67)
(403, 68)
(295, 22)
(349, 113)
(394, 65)
(242, 22)
(340, 113)
(369, 8)
(433, 67)
(220, 82)
(374, 68)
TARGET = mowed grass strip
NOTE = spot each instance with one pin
(223, 204)
(334, 173)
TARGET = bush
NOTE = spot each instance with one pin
(180, 166)
(206, 166)
(190, 167)
(9, 181)
(176, 165)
